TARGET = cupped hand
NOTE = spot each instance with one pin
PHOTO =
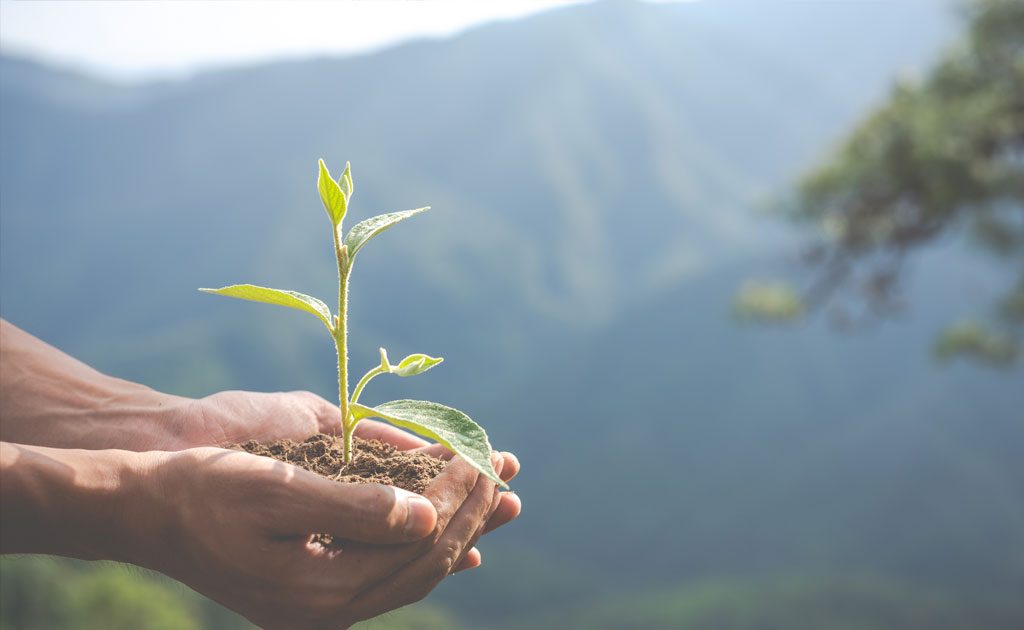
(509, 504)
(233, 417)
(238, 528)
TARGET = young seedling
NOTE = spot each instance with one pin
(448, 426)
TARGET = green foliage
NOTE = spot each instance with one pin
(975, 340)
(420, 616)
(449, 426)
(345, 181)
(274, 296)
(942, 155)
(334, 198)
(1012, 306)
(412, 364)
(121, 601)
(51, 593)
(769, 302)
(409, 366)
(790, 603)
(365, 230)
(944, 148)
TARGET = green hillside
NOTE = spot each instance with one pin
(792, 603)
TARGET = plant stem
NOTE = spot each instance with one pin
(363, 381)
(341, 341)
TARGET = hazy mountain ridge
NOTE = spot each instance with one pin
(613, 175)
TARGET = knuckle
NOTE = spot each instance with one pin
(451, 556)
(447, 554)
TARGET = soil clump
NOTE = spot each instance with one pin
(373, 461)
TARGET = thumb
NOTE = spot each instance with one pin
(371, 513)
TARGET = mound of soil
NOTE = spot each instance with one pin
(373, 461)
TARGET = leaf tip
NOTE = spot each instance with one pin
(334, 199)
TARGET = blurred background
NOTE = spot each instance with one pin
(739, 282)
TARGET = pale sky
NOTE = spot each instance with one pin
(132, 41)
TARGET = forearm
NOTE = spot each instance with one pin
(93, 505)
(48, 398)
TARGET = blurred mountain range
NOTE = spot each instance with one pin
(595, 174)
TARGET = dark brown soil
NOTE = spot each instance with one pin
(372, 461)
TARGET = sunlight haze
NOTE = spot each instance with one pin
(129, 41)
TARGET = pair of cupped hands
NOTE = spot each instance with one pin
(248, 519)
(98, 467)
(238, 527)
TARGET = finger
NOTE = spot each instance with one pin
(371, 513)
(487, 517)
(447, 492)
(415, 580)
(374, 430)
(472, 560)
(508, 508)
(510, 467)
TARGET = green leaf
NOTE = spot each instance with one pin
(335, 201)
(275, 296)
(345, 182)
(409, 366)
(448, 426)
(415, 364)
(365, 230)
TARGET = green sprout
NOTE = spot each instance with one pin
(450, 427)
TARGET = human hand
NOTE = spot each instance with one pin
(509, 505)
(232, 417)
(238, 530)
(50, 399)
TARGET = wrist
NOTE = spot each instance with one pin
(49, 399)
(93, 505)
(132, 418)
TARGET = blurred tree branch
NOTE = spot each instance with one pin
(941, 156)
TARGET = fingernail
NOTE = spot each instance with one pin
(421, 517)
(497, 461)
